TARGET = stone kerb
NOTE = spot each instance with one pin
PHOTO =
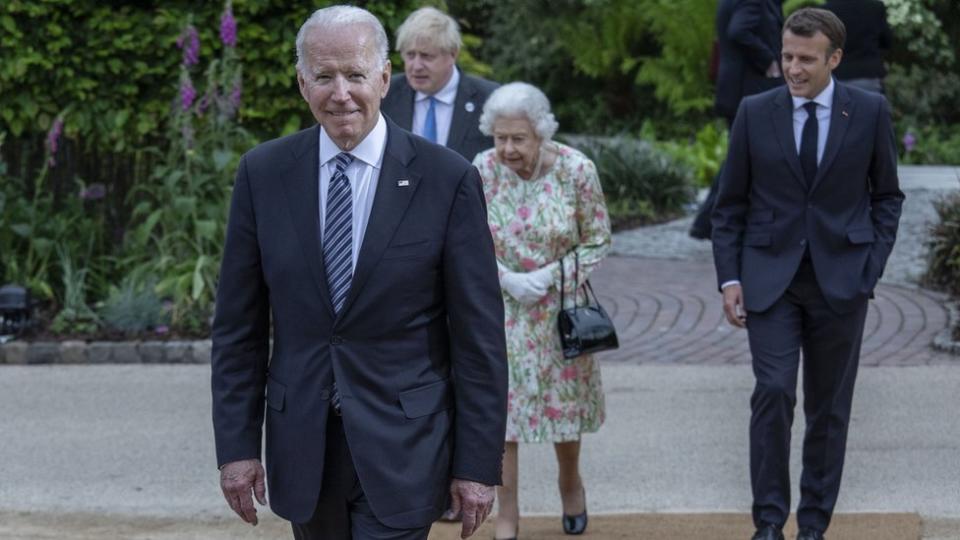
(106, 352)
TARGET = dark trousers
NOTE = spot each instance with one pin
(343, 512)
(801, 319)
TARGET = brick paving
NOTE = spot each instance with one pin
(660, 287)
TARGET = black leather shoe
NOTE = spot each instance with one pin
(809, 534)
(768, 532)
(578, 523)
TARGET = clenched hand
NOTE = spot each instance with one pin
(237, 480)
(474, 501)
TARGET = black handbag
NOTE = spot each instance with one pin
(584, 329)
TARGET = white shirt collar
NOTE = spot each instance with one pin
(369, 151)
(823, 99)
(446, 94)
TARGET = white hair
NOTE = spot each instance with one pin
(334, 16)
(519, 99)
(432, 26)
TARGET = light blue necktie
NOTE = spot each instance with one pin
(430, 125)
(338, 233)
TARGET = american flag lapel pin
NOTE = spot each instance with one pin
(403, 183)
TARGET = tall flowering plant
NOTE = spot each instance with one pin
(181, 211)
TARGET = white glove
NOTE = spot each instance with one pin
(529, 287)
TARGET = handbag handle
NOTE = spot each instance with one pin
(587, 288)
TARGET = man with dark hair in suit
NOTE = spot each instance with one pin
(748, 44)
(364, 253)
(433, 98)
(806, 215)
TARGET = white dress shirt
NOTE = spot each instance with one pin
(363, 174)
(824, 102)
(443, 109)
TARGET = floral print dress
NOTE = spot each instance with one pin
(535, 222)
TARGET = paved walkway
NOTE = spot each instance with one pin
(660, 287)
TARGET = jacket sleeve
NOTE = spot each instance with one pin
(886, 199)
(477, 341)
(593, 227)
(240, 334)
(745, 29)
(730, 210)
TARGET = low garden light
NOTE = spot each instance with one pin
(16, 310)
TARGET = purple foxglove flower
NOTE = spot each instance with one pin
(228, 27)
(189, 42)
(53, 140)
(93, 192)
(909, 141)
(162, 329)
(187, 93)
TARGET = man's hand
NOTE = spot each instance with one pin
(475, 502)
(237, 478)
(733, 305)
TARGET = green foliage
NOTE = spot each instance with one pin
(931, 145)
(75, 316)
(133, 308)
(704, 153)
(943, 259)
(792, 5)
(641, 183)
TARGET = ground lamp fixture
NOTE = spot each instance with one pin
(15, 311)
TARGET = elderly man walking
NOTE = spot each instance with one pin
(806, 216)
(433, 98)
(364, 253)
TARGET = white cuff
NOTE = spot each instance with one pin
(729, 283)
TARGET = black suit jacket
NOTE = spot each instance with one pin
(868, 38)
(418, 350)
(748, 39)
(765, 217)
(465, 137)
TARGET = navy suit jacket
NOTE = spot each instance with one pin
(765, 217)
(748, 39)
(418, 349)
(465, 137)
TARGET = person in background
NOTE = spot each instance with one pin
(748, 44)
(868, 40)
(433, 98)
(546, 209)
(806, 216)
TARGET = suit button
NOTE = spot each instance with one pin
(810, 206)
(336, 340)
(803, 242)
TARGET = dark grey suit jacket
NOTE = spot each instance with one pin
(418, 349)
(748, 37)
(765, 217)
(465, 137)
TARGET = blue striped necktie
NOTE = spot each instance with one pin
(338, 233)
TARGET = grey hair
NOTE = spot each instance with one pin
(334, 16)
(432, 26)
(519, 99)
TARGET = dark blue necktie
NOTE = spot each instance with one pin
(430, 124)
(808, 144)
(338, 243)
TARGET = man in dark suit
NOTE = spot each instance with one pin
(748, 45)
(806, 216)
(364, 253)
(433, 98)
(868, 38)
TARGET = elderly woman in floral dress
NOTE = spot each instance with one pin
(545, 206)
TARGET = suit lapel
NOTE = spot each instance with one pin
(395, 188)
(841, 114)
(782, 116)
(302, 188)
(458, 124)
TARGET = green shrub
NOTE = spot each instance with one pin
(931, 145)
(943, 259)
(641, 183)
(132, 308)
(704, 152)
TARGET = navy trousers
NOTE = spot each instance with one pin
(801, 320)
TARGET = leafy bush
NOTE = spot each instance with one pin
(641, 183)
(943, 263)
(931, 145)
(132, 308)
(704, 152)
